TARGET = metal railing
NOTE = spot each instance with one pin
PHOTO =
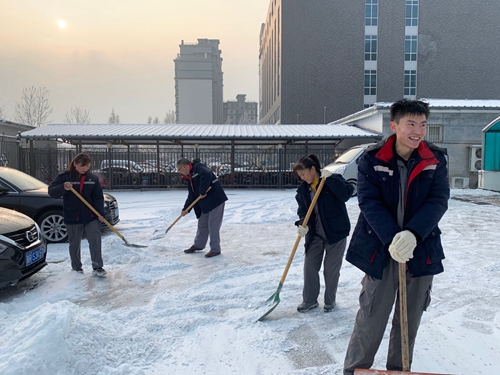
(129, 167)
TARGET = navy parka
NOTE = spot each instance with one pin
(199, 179)
(332, 209)
(378, 195)
(89, 187)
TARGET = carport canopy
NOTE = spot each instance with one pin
(195, 135)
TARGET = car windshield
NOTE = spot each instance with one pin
(348, 156)
(22, 180)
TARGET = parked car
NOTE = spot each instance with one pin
(28, 195)
(122, 173)
(22, 247)
(347, 164)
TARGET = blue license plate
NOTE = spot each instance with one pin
(35, 255)
(115, 213)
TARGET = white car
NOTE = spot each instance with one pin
(347, 164)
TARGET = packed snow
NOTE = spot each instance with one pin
(161, 311)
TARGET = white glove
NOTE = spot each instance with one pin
(302, 231)
(325, 173)
(402, 246)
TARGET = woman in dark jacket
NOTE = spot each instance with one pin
(326, 232)
(79, 219)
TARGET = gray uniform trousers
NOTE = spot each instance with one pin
(331, 269)
(376, 301)
(92, 231)
(209, 224)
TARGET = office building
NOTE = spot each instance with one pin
(199, 83)
(240, 111)
(326, 59)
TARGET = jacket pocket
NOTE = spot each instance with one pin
(365, 242)
(432, 247)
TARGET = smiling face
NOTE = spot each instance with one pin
(410, 130)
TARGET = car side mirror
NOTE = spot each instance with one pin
(3, 191)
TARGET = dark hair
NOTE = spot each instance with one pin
(306, 162)
(405, 107)
(82, 159)
(183, 161)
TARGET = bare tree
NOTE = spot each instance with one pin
(156, 120)
(77, 115)
(150, 119)
(34, 107)
(170, 117)
(113, 119)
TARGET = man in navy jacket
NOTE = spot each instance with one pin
(403, 192)
(210, 208)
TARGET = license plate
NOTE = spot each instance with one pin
(35, 255)
(115, 214)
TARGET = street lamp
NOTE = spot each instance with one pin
(297, 118)
(324, 114)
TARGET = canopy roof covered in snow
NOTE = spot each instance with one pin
(199, 134)
(436, 105)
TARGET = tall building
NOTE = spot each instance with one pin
(198, 83)
(240, 111)
(325, 59)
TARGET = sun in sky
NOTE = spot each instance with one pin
(61, 24)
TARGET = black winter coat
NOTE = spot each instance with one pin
(332, 208)
(74, 210)
(198, 181)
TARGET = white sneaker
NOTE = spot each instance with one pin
(101, 272)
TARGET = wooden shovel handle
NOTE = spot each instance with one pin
(403, 309)
(187, 209)
(304, 224)
(97, 213)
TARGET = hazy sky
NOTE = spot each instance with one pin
(119, 53)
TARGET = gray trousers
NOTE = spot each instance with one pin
(375, 306)
(209, 225)
(76, 232)
(334, 254)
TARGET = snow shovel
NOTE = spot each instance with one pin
(105, 221)
(157, 233)
(405, 349)
(275, 298)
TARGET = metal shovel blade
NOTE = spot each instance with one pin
(274, 300)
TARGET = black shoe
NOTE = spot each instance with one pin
(329, 307)
(101, 272)
(211, 254)
(304, 307)
(79, 270)
(192, 249)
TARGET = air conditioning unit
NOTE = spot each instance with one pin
(476, 158)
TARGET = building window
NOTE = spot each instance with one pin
(370, 82)
(410, 85)
(434, 133)
(410, 48)
(371, 12)
(370, 48)
(411, 12)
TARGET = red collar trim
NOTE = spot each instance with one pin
(386, 153)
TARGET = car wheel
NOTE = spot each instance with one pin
(52, 226)
(354, 184)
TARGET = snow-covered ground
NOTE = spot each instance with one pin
(160, 311)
